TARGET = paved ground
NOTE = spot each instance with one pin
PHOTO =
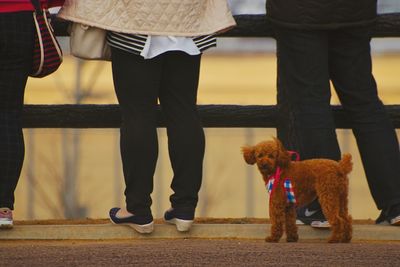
(209, 243)
(196, 252)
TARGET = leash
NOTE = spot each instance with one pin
(274, 179)
(291, 153)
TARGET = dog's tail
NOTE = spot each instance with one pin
(345, 164)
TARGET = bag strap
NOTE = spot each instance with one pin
(37, 6)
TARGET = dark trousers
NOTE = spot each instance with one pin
(172, 78)
(16, 45)
(307, 61)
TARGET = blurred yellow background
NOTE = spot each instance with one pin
(90, 158)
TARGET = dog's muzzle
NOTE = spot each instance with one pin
(265, 168)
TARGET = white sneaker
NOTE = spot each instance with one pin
(395, 221)
(6, 218)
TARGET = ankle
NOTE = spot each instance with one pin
(123, 213)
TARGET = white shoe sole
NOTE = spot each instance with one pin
(316, 224)
(181, 225)
(383, 223)
(321, 225)
(142, 229)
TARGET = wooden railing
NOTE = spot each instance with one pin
(223, 116)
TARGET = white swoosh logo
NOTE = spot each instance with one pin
(309, 213)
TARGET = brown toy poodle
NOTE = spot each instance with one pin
(300, 182)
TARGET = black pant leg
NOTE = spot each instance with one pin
(186, 143)
(305, 120)
(16, 46)
(351, 73)
(137, 83)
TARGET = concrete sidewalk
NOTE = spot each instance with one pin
(207, 231)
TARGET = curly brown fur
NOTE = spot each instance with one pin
(322, 178)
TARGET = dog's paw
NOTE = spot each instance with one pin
(292, 239)
(271, 239)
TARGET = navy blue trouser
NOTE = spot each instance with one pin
(307, 62)
(16, 46)
(172, 78)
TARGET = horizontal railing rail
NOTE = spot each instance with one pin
(213, 116)
(223, 116)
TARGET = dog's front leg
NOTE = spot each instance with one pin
(277, 216)
(290, 224)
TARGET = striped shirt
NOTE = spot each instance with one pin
(135, 43)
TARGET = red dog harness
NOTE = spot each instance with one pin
(274, 179)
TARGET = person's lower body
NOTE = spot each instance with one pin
(173, 79)
(351, 74)
(16, 46)
(307, 60)
(305, 122)
(186, 140)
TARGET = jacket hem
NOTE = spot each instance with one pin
(219, 28)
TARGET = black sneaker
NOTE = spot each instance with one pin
(394, 215)
(182, 219)
(142, 224)
(389, 217)
(312, 215)
(381, 220)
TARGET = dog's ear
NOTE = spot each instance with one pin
(283, 157)
(248, 154)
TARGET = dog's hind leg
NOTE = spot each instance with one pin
(331, 209)
(290, 224)
(347, 229)
(347, 226)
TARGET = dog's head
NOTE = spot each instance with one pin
(268, 155)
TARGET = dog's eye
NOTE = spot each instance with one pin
(260, 155)
(272, 156)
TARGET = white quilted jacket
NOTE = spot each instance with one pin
(153, 17)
